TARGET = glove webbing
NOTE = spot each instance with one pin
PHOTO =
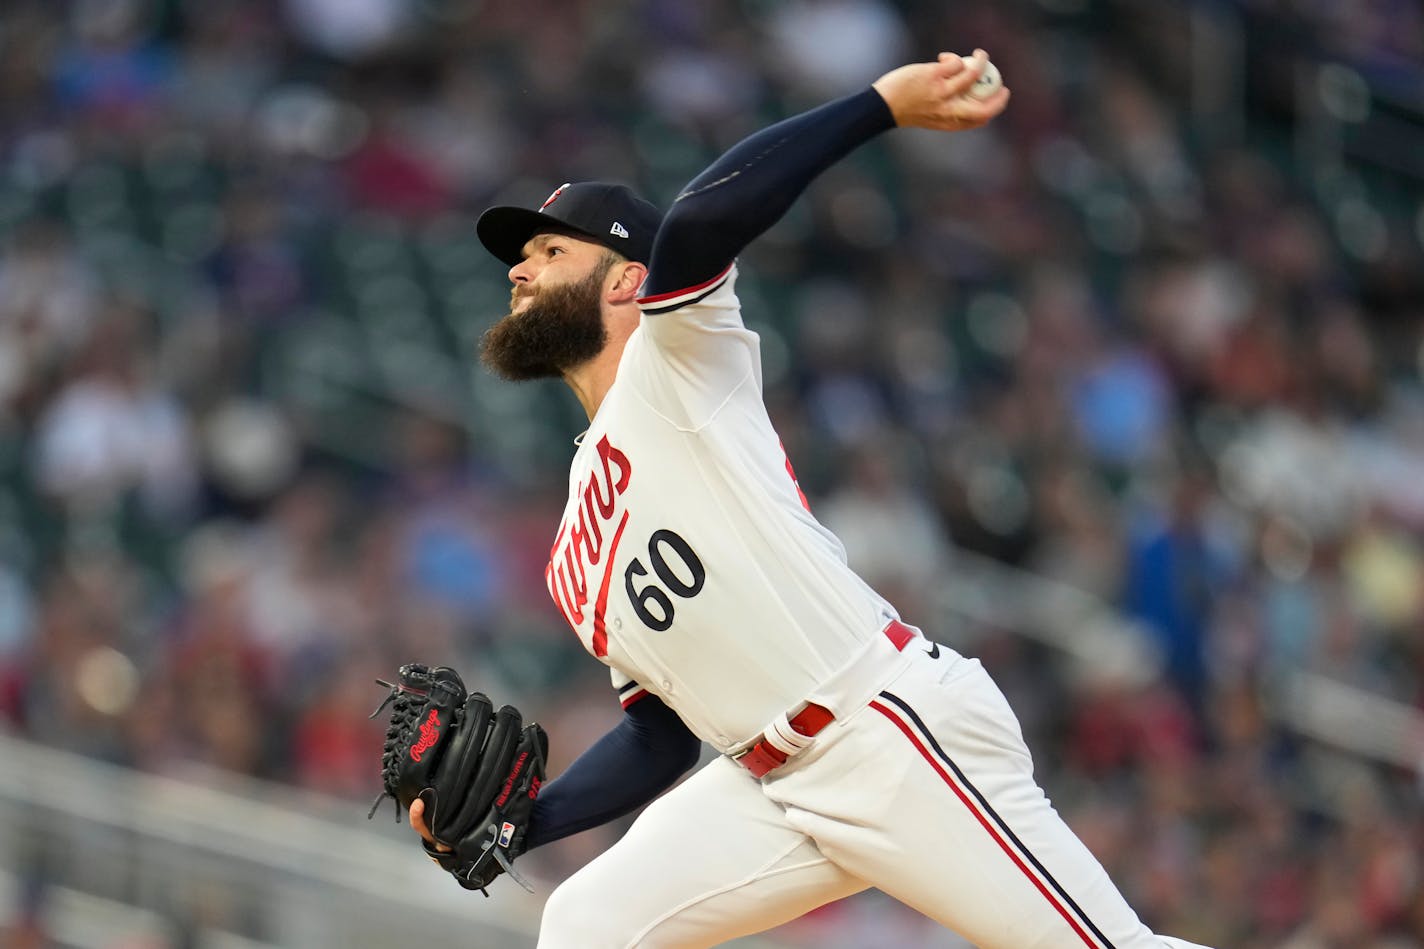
(403, 722)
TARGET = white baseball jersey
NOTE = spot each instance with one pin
(688, 562)
(687, 559)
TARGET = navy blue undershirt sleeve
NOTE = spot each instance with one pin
(752, 185)
(635, 762)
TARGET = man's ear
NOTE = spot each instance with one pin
(626, 280)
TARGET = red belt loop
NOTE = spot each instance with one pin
(899, 634)
(763, 757)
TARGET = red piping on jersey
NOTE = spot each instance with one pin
(600, 632)
(792, 472)
(634, 698)
(672, 294)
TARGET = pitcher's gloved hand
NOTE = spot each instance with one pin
(476, 771)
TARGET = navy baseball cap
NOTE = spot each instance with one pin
(607, 213)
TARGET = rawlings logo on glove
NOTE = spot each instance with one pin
(476, 771)
(429, 735)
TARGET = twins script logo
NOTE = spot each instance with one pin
(429, 734)
(580, 543)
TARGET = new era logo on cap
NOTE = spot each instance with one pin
(610, 214)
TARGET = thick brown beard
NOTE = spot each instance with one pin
(561, 328)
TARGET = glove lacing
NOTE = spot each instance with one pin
(401, 698)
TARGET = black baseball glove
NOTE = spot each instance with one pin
(477, 771)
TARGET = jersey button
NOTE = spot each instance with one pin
(667, 685)
(724, 741)
(617, 623)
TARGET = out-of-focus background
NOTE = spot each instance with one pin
(1122, 394)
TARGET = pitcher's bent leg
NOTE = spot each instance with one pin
(947, 818)
(709, 861)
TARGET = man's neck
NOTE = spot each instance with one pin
(591, 381)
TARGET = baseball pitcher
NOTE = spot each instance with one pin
(855, 752)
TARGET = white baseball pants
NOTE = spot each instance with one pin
(921, 787)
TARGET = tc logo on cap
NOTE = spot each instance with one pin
(554, 197)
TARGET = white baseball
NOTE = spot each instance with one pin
(988, 82)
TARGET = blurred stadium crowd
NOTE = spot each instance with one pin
(1144, 335)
